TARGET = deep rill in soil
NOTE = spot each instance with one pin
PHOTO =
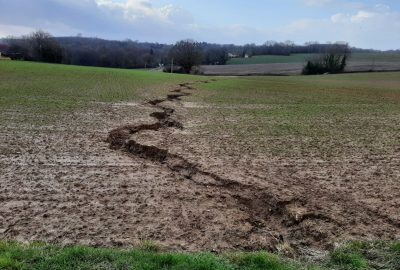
(280, 214)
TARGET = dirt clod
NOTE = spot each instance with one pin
(275, 219)
(162, 181)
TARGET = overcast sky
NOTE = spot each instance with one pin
(363, 23)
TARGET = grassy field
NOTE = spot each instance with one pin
(375, 57)
(343, 108)
(302, 58)
(47, 87)
(330, 142)
(354, 256)
(45, 92)
(270, 59)
(297, 106)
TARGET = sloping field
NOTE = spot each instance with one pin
(292, 68)
(303, 57)
(108, 157)
(375, 57)
(271, 59)
(293, 64)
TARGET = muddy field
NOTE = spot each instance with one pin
(194, 175)
(291, 68)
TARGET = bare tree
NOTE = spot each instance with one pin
(334, 60)
(44, 47)
(187, 54)
(217, 55)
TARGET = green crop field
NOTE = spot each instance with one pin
(302, 58)
(375, 57)
(44, 86)
(47, 91)
(323, 109)
(297, 166)
(271, 59)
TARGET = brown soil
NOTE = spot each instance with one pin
(271, 213)
(155, 179)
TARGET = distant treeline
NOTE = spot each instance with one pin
(118, 54)
(41, 46)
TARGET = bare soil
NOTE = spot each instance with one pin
(151, 177)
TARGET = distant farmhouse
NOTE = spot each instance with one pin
(231, 55)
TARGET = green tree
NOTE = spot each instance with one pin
(334, 60)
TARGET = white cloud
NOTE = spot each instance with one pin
(359, 17)
(360, 24)
(134, 10)
(362, 16)
(339, 18)
(115, 19)
(373, 27)
(378, 14)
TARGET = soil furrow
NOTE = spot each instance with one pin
(286, 215)
(259, 204)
